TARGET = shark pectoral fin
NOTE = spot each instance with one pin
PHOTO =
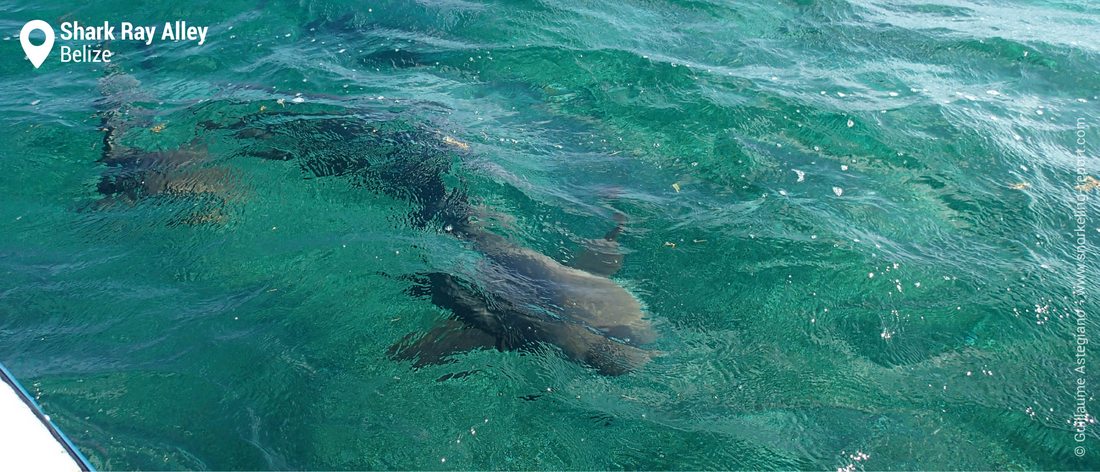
(192, 181)
(613, 358)
(105, 203)
(637, 334)
(268, 153)
(446, 338)
(598, 257)
(601, 256)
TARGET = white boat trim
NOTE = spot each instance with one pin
(28, 439)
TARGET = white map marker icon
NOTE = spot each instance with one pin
(37, 54)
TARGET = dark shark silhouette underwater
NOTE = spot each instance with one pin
(132, 175)
(514, 298)
(534, 299)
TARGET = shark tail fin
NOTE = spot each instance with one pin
(447, 338)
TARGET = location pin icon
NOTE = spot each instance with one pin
(37, 54)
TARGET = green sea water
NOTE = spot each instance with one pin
(852, 223)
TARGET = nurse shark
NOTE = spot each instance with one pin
(132, 174)
(514, 297)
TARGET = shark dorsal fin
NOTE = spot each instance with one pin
(601, 256)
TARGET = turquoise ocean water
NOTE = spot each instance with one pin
(851, 222)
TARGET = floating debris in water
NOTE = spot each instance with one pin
(844, 167)
(1089, 184)
(1020, 186)
(157, 128)
(450, 141)
(801, 175)
(851, 123)
(838, 191)
(676, 186)
(670, 244)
